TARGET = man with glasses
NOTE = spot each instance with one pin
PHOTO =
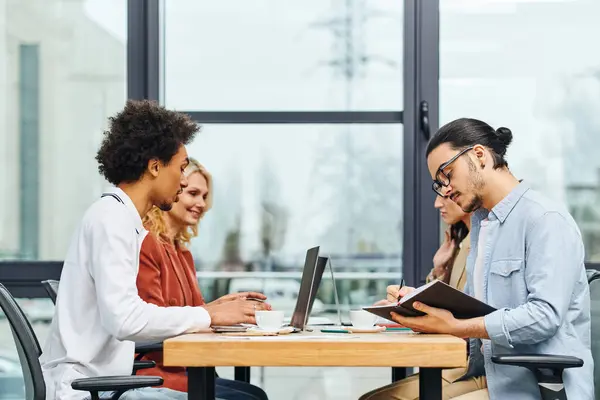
(526, 260)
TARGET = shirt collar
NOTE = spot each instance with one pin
(139, 227)
(506, 205)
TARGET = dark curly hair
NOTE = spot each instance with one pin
(141, 132)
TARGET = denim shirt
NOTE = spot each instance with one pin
(534, 275)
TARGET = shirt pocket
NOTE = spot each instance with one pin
(505, 285)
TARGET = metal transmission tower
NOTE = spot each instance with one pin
(349, 61)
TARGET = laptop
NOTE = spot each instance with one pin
(314, 266)
(311, 276)
(321, 265)
(307, 294)
(336, 297)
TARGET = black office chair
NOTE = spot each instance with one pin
(141, 349)
(548, 369)
(29, 351)
(51, 287)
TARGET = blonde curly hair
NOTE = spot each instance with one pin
(155, 222)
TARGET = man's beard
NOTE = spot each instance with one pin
(474, 205)
(476, 185)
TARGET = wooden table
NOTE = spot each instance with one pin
(202, 352)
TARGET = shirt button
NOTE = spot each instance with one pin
(172, 302)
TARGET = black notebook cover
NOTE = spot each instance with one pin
(436, 294)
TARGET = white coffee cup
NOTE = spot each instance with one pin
(269, 320)
(362, 319)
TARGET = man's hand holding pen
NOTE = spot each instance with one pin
(395, 292)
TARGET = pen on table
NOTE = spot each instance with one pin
(334, 331)
(401, 286)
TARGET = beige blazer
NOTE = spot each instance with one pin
(458, 277)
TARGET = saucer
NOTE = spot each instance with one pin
(281, 331)
(373, 329)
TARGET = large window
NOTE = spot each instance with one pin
(312, 128)
(531, 66)
(325, 166)
(62, 75)
(286, 185)
(315, 121)
(273, 55)
(280, 189)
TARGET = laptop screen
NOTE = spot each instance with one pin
(307, 291)
(321, 264)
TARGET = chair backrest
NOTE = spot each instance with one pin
(594, 282)
(27, 344)
(51, 287)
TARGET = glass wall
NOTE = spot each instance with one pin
(280, 189)
(62, 75)
(271, 55)
(531, 66)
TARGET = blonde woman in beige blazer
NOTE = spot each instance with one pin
(449, 265)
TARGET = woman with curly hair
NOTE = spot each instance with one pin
(167, 276)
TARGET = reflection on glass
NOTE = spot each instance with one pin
(280, 189)
(273, 55)
(62, 75)
(541, 82)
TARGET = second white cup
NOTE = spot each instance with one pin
(362, 319)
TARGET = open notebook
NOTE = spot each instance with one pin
(435, 294)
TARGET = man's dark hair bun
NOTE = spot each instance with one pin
(505, 136)
(465, 132)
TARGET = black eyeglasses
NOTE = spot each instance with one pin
(441, 178)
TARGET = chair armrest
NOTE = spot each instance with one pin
(143, 364)
(142, 348)
(115, 383)
(534, 361)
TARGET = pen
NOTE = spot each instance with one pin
(401, 286)
(334, 331)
